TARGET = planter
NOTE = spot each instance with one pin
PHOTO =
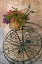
(14, 25)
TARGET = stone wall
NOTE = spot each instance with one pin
(36, 5)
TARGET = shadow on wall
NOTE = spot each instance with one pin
(1, 36)
(2, 58)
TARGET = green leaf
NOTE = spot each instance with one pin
(15, 9)
(7, 18)
(24, 17)
(29, 6)
(20, 21)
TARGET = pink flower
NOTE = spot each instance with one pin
(28, 18)
(12, 7)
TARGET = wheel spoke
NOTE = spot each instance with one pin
(26, 54)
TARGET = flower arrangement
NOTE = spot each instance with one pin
(16, 18)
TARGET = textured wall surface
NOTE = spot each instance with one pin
(36, 17)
